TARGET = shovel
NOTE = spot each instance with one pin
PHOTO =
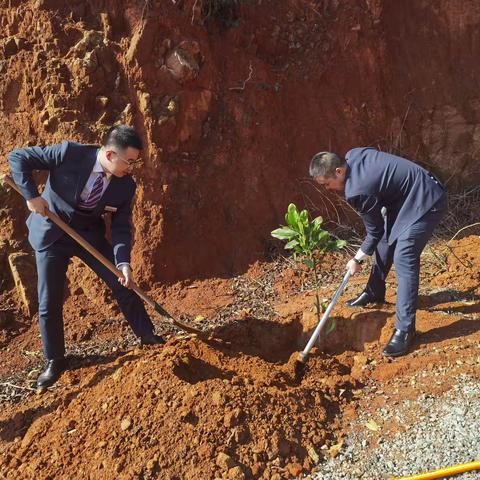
(303, 356)
(5, 179)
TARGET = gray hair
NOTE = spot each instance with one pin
(323, 164)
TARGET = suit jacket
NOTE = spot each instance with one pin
(376, 179)
(70, 165)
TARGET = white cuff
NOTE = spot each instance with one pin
(361, 255)
(120, 265)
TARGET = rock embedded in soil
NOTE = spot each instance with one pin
(232, 418)
(294, 469)
(22, 266)
(126, 423)
(236, 473)
(218, 398)
(224, 461)
(182, 62)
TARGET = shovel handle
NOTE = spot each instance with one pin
(303, 356)
(5, 179)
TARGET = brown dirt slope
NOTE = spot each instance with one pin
(233, 407)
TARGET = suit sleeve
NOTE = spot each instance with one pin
(122, 230)
(370, 209)
(23, 161)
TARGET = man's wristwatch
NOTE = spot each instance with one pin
(357, 261)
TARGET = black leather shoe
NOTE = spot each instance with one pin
(52, 372)
(152, 339)
(362, 300)
(399, 343)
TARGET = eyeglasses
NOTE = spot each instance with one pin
(130, 162)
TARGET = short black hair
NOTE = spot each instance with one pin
(123, 136)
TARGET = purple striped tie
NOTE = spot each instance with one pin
(96, 193)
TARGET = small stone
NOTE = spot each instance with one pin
(144, 103)
(183, 62)
(224, 461)
(313, 454)
(126, 423)
(117, 375)
(236, 473)
(20, 42)
(151, 464)
(232, 418)
(10, 47)
(218, 399)
(102, 101)
(294, 469)
(242, 434)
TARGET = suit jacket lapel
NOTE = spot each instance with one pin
(85, 171)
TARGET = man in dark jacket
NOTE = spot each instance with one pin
(400, 204)
(83, 181)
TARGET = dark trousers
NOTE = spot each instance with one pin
(52, 266)
(404, 253)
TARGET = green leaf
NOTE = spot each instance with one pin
(304, 217)
(300, 227)
(291, 244)
(292, 216)
(319, 238)
(309, 262)
(331, 325)
(284, 233)
(336, 245)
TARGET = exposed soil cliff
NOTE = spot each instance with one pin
(231, 110)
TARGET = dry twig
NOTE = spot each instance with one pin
(246, 80)
(464, 228)
(193, 11)
(8, 384)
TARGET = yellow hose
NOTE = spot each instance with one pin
(444, 472)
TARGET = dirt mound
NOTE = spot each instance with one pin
(230, 409)
(233, 407)
(460, 259)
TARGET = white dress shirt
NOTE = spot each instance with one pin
(97, 170)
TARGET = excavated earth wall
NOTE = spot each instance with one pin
(232, 109)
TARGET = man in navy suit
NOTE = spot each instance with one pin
(82, 181)
(400, 204)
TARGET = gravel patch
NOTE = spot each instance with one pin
(439, 432)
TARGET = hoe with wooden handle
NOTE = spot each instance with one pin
(5, 179)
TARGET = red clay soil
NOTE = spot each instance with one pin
(231, 110)
(235, 406)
